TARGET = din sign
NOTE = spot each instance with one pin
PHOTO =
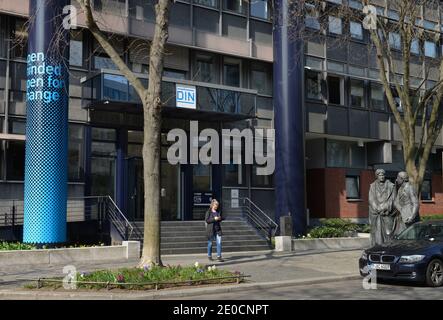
(186, 96)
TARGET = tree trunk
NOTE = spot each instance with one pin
(151, 166)
(152, 106)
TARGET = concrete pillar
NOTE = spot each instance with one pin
(289, 115)
(47, 124)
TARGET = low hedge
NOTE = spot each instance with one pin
(337, 228)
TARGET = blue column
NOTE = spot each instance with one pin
(47, 124)
(289, 115)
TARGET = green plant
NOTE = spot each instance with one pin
(432, 217)
(336, 227)
(326, 232)
(6, 246)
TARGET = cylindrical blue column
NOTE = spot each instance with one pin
(289, 121)
(47, 124)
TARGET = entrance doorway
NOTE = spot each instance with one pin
(170, 191)
(136, 190)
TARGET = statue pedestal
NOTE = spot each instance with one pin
(283, 244)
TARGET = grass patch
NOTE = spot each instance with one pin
(146, 279)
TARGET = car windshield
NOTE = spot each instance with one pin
(422, 232)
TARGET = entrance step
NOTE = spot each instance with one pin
(187, 237)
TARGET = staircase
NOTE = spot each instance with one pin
(187, 237)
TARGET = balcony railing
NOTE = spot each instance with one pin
(108, 86)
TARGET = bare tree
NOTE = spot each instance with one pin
(413, 106)
(397, 39)
(152, 105)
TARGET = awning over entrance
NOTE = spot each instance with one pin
(113, 97)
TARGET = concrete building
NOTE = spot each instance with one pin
(225, 49)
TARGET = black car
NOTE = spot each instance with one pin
(416, 254)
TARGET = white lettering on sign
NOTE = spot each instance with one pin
(186, 97)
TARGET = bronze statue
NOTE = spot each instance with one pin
(406, 203)
(381, 203)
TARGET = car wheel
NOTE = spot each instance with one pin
(434, 273)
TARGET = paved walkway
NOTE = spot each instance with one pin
(263, 267)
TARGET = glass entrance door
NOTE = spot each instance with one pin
(170, 192)
(136, 189)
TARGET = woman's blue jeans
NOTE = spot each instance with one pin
(218, 239)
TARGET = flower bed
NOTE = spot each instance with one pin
(144, 279)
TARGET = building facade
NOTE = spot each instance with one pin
(225, 49)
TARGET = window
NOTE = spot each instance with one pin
(103, 154)
(201, 177)
(20, 39)
(356, 30)
(142, 10)
(313, 85)
(415, 46)
(397, 100)
(335, 90)
(312, 22)
(204, 69)
(335, 25)
(260, 9)
(176, 74)
(426, 190)
(380, 11)
(75, 153)
(263, 181)
(208, 3)
(337, 154)
(235, 5)
(357, 93)
(356, 4)
(394, 40)
(76, 49)
(352, 187)
(261, 77)
(392, 14)
(231, 72)
(377, 96)
(234, 26)
(345, 154)
(15, 153)
(429, 25)
(430, 49)
(314, 63)
(234, 175)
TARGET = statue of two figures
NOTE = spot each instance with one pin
(391, 209)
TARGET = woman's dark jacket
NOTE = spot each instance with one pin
(213, 227)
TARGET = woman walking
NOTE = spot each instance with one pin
(213, 220)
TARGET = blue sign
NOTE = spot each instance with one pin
(186, 96)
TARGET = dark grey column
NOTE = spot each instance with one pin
(289, 115)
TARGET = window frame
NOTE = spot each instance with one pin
(357, 177)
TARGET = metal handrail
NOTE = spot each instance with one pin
(260, 218)
(125, 222)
